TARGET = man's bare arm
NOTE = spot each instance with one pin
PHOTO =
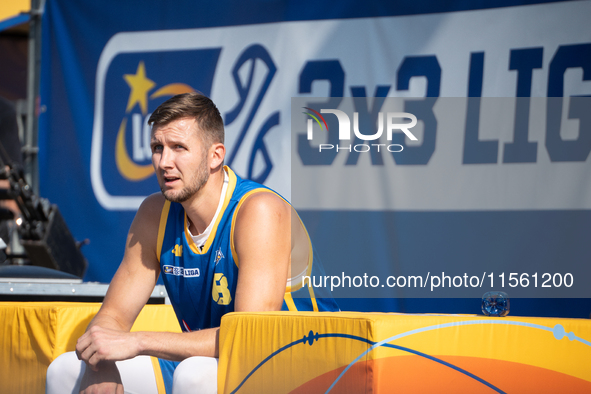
(130, 288)
(107, 337)
(263, 245)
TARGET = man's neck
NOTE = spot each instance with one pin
(202, 206)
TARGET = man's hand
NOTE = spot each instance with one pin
(107, 381)
(103, 344)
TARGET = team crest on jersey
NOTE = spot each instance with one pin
(180, 271)
(177, 250)
(218, 255)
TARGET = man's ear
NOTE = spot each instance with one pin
(217, 153)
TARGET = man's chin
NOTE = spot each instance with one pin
(170, 195)
(174, 196)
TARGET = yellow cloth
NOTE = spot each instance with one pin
(33, 334)
(303, 352)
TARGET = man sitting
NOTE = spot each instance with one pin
(221, 243)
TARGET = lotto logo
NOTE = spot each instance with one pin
(180, 271)
(132, 80)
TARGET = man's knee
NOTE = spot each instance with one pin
(64, 374)
(196, 375)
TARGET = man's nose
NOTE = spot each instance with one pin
(166, 158)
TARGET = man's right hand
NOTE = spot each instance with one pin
(100, 344)
(106, 380)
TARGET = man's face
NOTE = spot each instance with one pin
(180, 159)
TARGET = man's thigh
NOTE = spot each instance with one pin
(65, 374)
(196, 375)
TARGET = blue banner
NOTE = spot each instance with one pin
(482, 190)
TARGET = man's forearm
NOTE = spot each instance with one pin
(178, 346)
(101, 344)
(105, 320)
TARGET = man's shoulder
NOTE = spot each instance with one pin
(150, 210)
(262, 205)
(247, 189)
(242, 186)
(254, 199)
(144, 229)
(154, 202)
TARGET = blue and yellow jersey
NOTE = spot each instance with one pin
(201, 281)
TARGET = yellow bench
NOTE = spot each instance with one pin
(33, 334)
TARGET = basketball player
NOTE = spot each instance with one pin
(221, 244)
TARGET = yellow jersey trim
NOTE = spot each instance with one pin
(310, 259)
(158, 375)
(229, 192)
(162, 228)
(289, 302)
(310, 262)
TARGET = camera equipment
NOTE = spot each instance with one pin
(43, 231)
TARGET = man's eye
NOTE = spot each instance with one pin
(156, 148)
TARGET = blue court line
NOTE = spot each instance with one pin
(558, 332)
(276, 352)
(310, 339)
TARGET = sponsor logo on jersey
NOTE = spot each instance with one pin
(180, 271)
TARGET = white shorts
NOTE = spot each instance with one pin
(140, 375)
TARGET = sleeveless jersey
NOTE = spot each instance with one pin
(201, 282)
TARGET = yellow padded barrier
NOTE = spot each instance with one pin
(347, 352)
(33, 334)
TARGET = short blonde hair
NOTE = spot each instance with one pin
(192, 105)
